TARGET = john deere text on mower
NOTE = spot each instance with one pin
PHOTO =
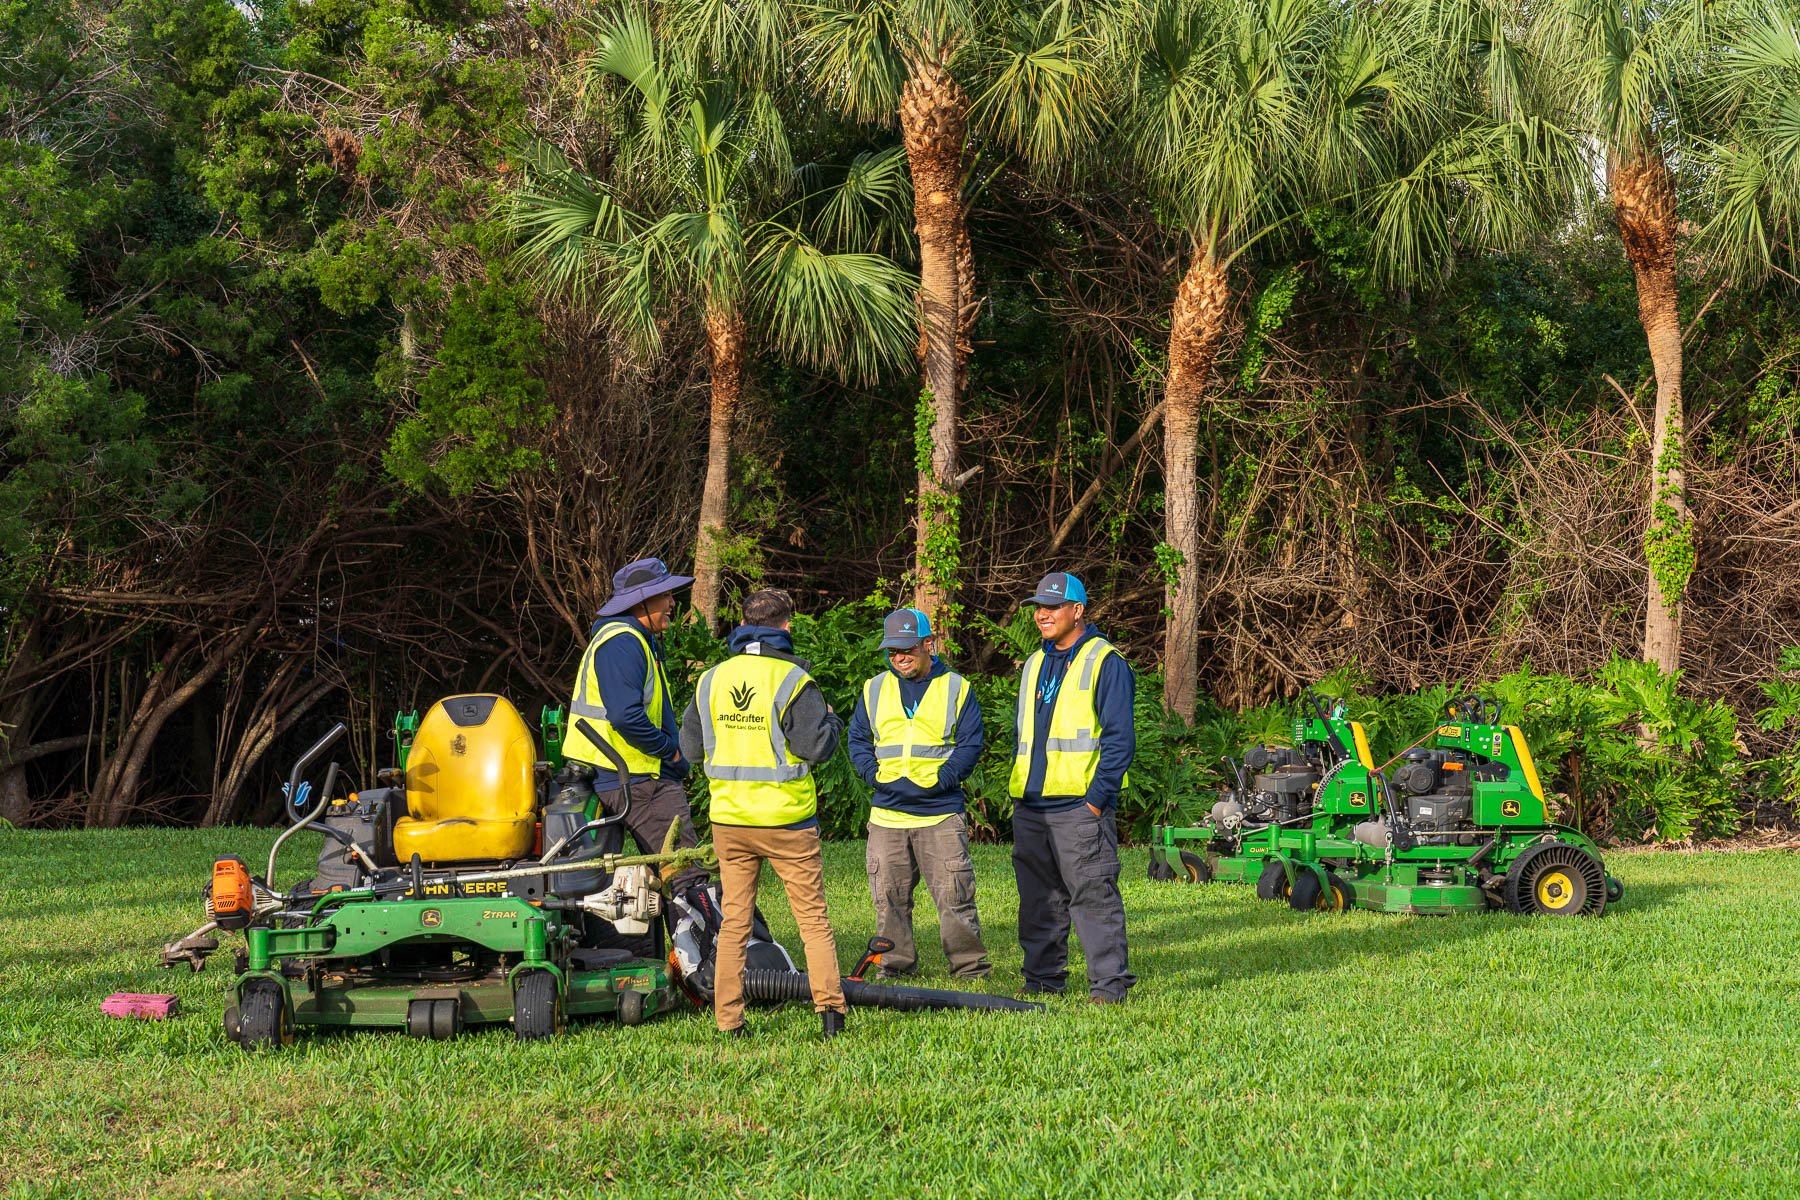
(432, 909)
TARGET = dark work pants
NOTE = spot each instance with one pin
(655, 805)
(1068, 864)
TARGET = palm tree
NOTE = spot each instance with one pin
(1246, 113)
(1631, 71)
(919, 62)
(703, 212)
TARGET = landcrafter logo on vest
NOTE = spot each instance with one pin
(742, 696)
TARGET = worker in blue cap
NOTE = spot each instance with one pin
(622, 689)
(1074, 741)
(914, 738)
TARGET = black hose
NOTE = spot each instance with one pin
(774, 987)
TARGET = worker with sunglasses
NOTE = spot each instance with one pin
(914, 738)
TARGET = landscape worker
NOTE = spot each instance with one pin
(1074, 744)
(758, 724)
(622, 688)
(914, 737)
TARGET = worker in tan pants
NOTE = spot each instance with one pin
(757, 724)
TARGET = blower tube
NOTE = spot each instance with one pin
(774, 987)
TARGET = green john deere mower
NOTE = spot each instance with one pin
(1318, 787)
(475, 884)
(1460, 824)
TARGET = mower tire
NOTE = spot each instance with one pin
(1194, 868)
(262, 1016)
(1309, 896)
(631, 1008)
(537, 1009)
(1161, 872)
(1556, 879)
(1615, 890)
(1273, 884)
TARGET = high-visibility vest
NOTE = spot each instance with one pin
(756, 779)
(587, 703)
(1072, 746)
(913, 747)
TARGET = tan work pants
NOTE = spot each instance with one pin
(794, 853)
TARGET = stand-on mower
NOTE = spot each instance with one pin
(1461, 824)
(474, 885)
(1279, 796)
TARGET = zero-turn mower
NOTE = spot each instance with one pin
(1461, 824)
(474, 884)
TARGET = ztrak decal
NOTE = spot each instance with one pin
(1450, 731)
(499, 914)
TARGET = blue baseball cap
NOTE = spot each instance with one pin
(1059, 587)
(904, 628)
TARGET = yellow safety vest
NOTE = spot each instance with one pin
(587, 703)
(913, 747)
(1072, 749)
(756, 779)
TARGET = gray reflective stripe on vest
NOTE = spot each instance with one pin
(1083, 742)
(872, 703)
(1093, 660)
(579, 706)
(917, 751)
(1034, 667)
(703, 706)
(955, 685)
(783, 771)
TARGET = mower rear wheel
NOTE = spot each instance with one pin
(1273, 884)
(1556, 879)
(537, 1009)
(1196, 869)
(1309, 896)
(631, 1008)
(262, 1017)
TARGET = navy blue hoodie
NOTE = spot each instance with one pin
(1115, 693)
(620, 671)
(903, 795)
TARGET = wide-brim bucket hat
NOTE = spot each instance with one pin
(636, 582)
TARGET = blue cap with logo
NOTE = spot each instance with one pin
(1059, 587)
(904, 628)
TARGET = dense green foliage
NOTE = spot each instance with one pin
(289, 429)
(1633, 1055)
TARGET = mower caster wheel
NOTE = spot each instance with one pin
(233, 1030)
(1161, 872)
(1556, 879)
(537, 1009)
(444, 1024)
(1272, 884)
(263, 1022)
(1615, 890)
(1308, 896)
(631, 1008)
(1194, 868)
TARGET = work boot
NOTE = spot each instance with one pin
(831, 1023)
(737, 1031)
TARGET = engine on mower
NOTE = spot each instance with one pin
(1280, 787)
(1438, 788)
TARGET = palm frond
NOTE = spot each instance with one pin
(850, 314)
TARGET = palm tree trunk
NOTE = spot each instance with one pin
(1195, 327)
(725, 355)
(933, 120)
(1644, 203)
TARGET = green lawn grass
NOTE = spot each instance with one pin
(1265, 1053)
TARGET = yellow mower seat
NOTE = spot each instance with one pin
(471, 784)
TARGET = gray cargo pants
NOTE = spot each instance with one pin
(940, 853)
(1068, 862)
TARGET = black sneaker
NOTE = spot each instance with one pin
(831, 1023)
